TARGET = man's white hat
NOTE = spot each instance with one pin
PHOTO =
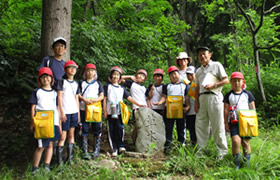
(190, 70)
(61, 39)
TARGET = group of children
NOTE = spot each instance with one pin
(69, 99)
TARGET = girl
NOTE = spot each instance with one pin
(91, 92)
(42, 99)
(68, 102)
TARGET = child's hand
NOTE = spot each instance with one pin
(105, 115)
(186, 109)
(142, 105)
(152, 88)
(227, 127)
(133, 78)
(93, 101)
(31, 128)
(63, 118)
(88, 101)
(60, 130)
(156, 103)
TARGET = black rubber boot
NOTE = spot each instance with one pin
(237, 160)
(97, 147)
(60, 151)
(246, 159)
(86, 155)
(70, 152)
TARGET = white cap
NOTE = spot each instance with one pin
(190, 70)
(59, 39)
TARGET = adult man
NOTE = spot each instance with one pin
(211, 77)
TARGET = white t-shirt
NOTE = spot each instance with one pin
(157, 93)
(92, 91)
(179, 89)
(45, 100)
(69, 92)
(137, 91)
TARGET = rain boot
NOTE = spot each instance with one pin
(246, 159)
(60, 151)
(97, 147)
(86, 155)
(70, 152)
(237, 159)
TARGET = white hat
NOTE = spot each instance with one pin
(183, 55)
(59, 39)
(190, 70)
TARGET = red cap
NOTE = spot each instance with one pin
(70, 63)
(143, 71)
(158, 71)
(116, 68)
(172, 68)
(45, 70)
(236, 75)
(90, 66)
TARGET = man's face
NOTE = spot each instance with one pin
(59, 49)
(204, 57)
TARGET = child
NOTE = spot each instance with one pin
(114, 93)
(56, 63)
(175, 88)
(242, 99)
(91, 92)
(137, 91)
(68, 102)
(44, 98)
(191, 115)
(154, 91)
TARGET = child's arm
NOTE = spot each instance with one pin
(124, 77)
(32, 117)
(105, 107)
(161, 101)
(135, 102)
(60, 122)
(151, 91)
(87, 101)
(62, 116)
(187, 103)
(226, 110)
(253, 106)
(148, 103)
(100, 98)
(78, 105)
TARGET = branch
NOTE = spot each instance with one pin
(249, 20)
(261, 20)
(271, 9)
(269, 47)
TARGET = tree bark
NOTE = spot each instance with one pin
(56, 22)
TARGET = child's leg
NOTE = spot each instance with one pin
(71, 137)
(49, 153)
(85, 131)
(246, 150)
(120, 132)
(190, 120)
(62, 138)
(97, 128)
(181, 130)
(111, 124)
(236, 142)
(169, 124)
(37, 156)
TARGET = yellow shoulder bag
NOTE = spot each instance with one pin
(174, 107)
(94, 112)
(44, 124)
(124, 112)
(191, 91)
(248, 123)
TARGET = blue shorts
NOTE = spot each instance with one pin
(46, 142)
(234, 130)
(71, 121)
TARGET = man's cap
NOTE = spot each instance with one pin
(90, 66)
(42, 71)
(70, 63)
(116, 68)
(190, 70)
(236, 75)
(183, 55)
(158, 71)
(172, 68)
(202, 48)
(59, 39)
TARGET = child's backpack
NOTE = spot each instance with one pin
(49, 62)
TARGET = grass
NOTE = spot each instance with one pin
(182, 163)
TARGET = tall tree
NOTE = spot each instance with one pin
(56, 21)
(254, 31)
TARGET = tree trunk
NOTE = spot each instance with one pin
(56, 21)
(257, 67)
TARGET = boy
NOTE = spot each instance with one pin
(113, 95)
(242, 99)
(91, 92)
(154, 91)
(56, 63)
(68, 102)
(137, 90)
(191, 115)
(44, 98)
(175, 88)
